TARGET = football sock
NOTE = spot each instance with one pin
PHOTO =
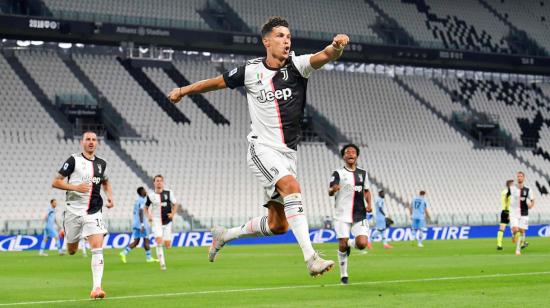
(257, 226)
(522, 239)
(500, 235)
(384, 237)
(58, 244)
(518, 241)
(97, 266)
(343, 261)
(43, 245)
(160, 254)
(148, 254)
(297, 221)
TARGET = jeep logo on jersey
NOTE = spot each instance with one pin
(96, 180)
(285, 94)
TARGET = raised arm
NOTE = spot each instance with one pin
(207, 85)
(331, 52)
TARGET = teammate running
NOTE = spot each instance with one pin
(505, 213)
(160, 207)
(276, 93)
(521, 201)
(82, 218)
(350, 187)
(419, 213)
(49, 230)
(140, 228)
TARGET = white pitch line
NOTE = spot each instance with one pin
(379, 282)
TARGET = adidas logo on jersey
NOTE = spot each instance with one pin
(266, 96)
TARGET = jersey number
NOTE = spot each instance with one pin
(417, 204)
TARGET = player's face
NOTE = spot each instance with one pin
(159, 183)
(143, 193)
(521, 178)
(350, 156)
(277, 42)
(89, 142)
(54, 204)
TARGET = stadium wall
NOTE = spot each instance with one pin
(203, 238)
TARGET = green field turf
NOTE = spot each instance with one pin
(444, 273)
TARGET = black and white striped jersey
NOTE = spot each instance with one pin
(350, 205)
(520, 198)
(78, 169)
(161, 204)
(276, 99)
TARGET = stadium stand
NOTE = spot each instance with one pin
(163, 13)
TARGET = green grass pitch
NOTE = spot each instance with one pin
(462, 273)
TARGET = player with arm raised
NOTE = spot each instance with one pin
(276, 94)
(86, 175)
(350, 187)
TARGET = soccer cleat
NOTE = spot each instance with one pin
(217, 242)
(388, 246)
(151, 260)
(518, 252)
(97, 293)
(163, 267)
(420, 245)
(317, 266)
(42, 254)
(122, 257)
(344, 280)
(525, 245)
(499, 247)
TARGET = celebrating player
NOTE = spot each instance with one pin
(49, 230)
(381, 219)
(140, 228)
(419, 213)
(276, 94)
(350, 187)
(521, 201)
(82, 218)
(505, 213)
(161, 206)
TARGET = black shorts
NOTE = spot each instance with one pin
(505, 217)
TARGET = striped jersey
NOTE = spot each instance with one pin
(161, 204)
(350, 199)
(276, 99)
(520, 199)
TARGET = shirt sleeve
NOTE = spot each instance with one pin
(303, 65)
(148, 202)
(173, 198)
(334, 179)
(235, 77)
(68, 167)
(105, 173)
(530, 195)
(366, 183)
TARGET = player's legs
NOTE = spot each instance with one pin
(167, 234)
(73, 226)
(500, 235)
(94, 231)
(136, 234)
(43, 245)
(147, 248)
(343, 231)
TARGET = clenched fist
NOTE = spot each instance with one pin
(340, 41)
(176, 95)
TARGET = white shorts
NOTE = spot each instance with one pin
(343, 229)
(269, 166)
(79, 227)
(160, 230)
(521, 222)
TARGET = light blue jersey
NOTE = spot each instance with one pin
(380, 213)
(50, 221)
(139, 204)
(419, 206)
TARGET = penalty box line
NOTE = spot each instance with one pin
(191, 293)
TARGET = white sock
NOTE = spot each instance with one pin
(343, 261)
(351, 243)
(523, 238)
(160, 254)
(257, 226)
(384, 237)
(97, 266)
(518, 243)
(297, 220)
(83, 246)
(419, 236)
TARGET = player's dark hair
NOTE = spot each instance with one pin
(521, 172)
(343, 151)
(87, 132)
(422, 192)
(140, 189)
(381, 194)
(51, 201)
(157, 176)
(273, 22)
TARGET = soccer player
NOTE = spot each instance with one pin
(160, 207)
(350, 187)
(379, 205)
(521, 201)
(140, 228)
(86, 174)
(276, 93)
(49, 230)
(419, 213)
(505, 213)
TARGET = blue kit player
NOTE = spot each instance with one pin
(49, 230)
(140, 228)
(381, 226)
(419, 212)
